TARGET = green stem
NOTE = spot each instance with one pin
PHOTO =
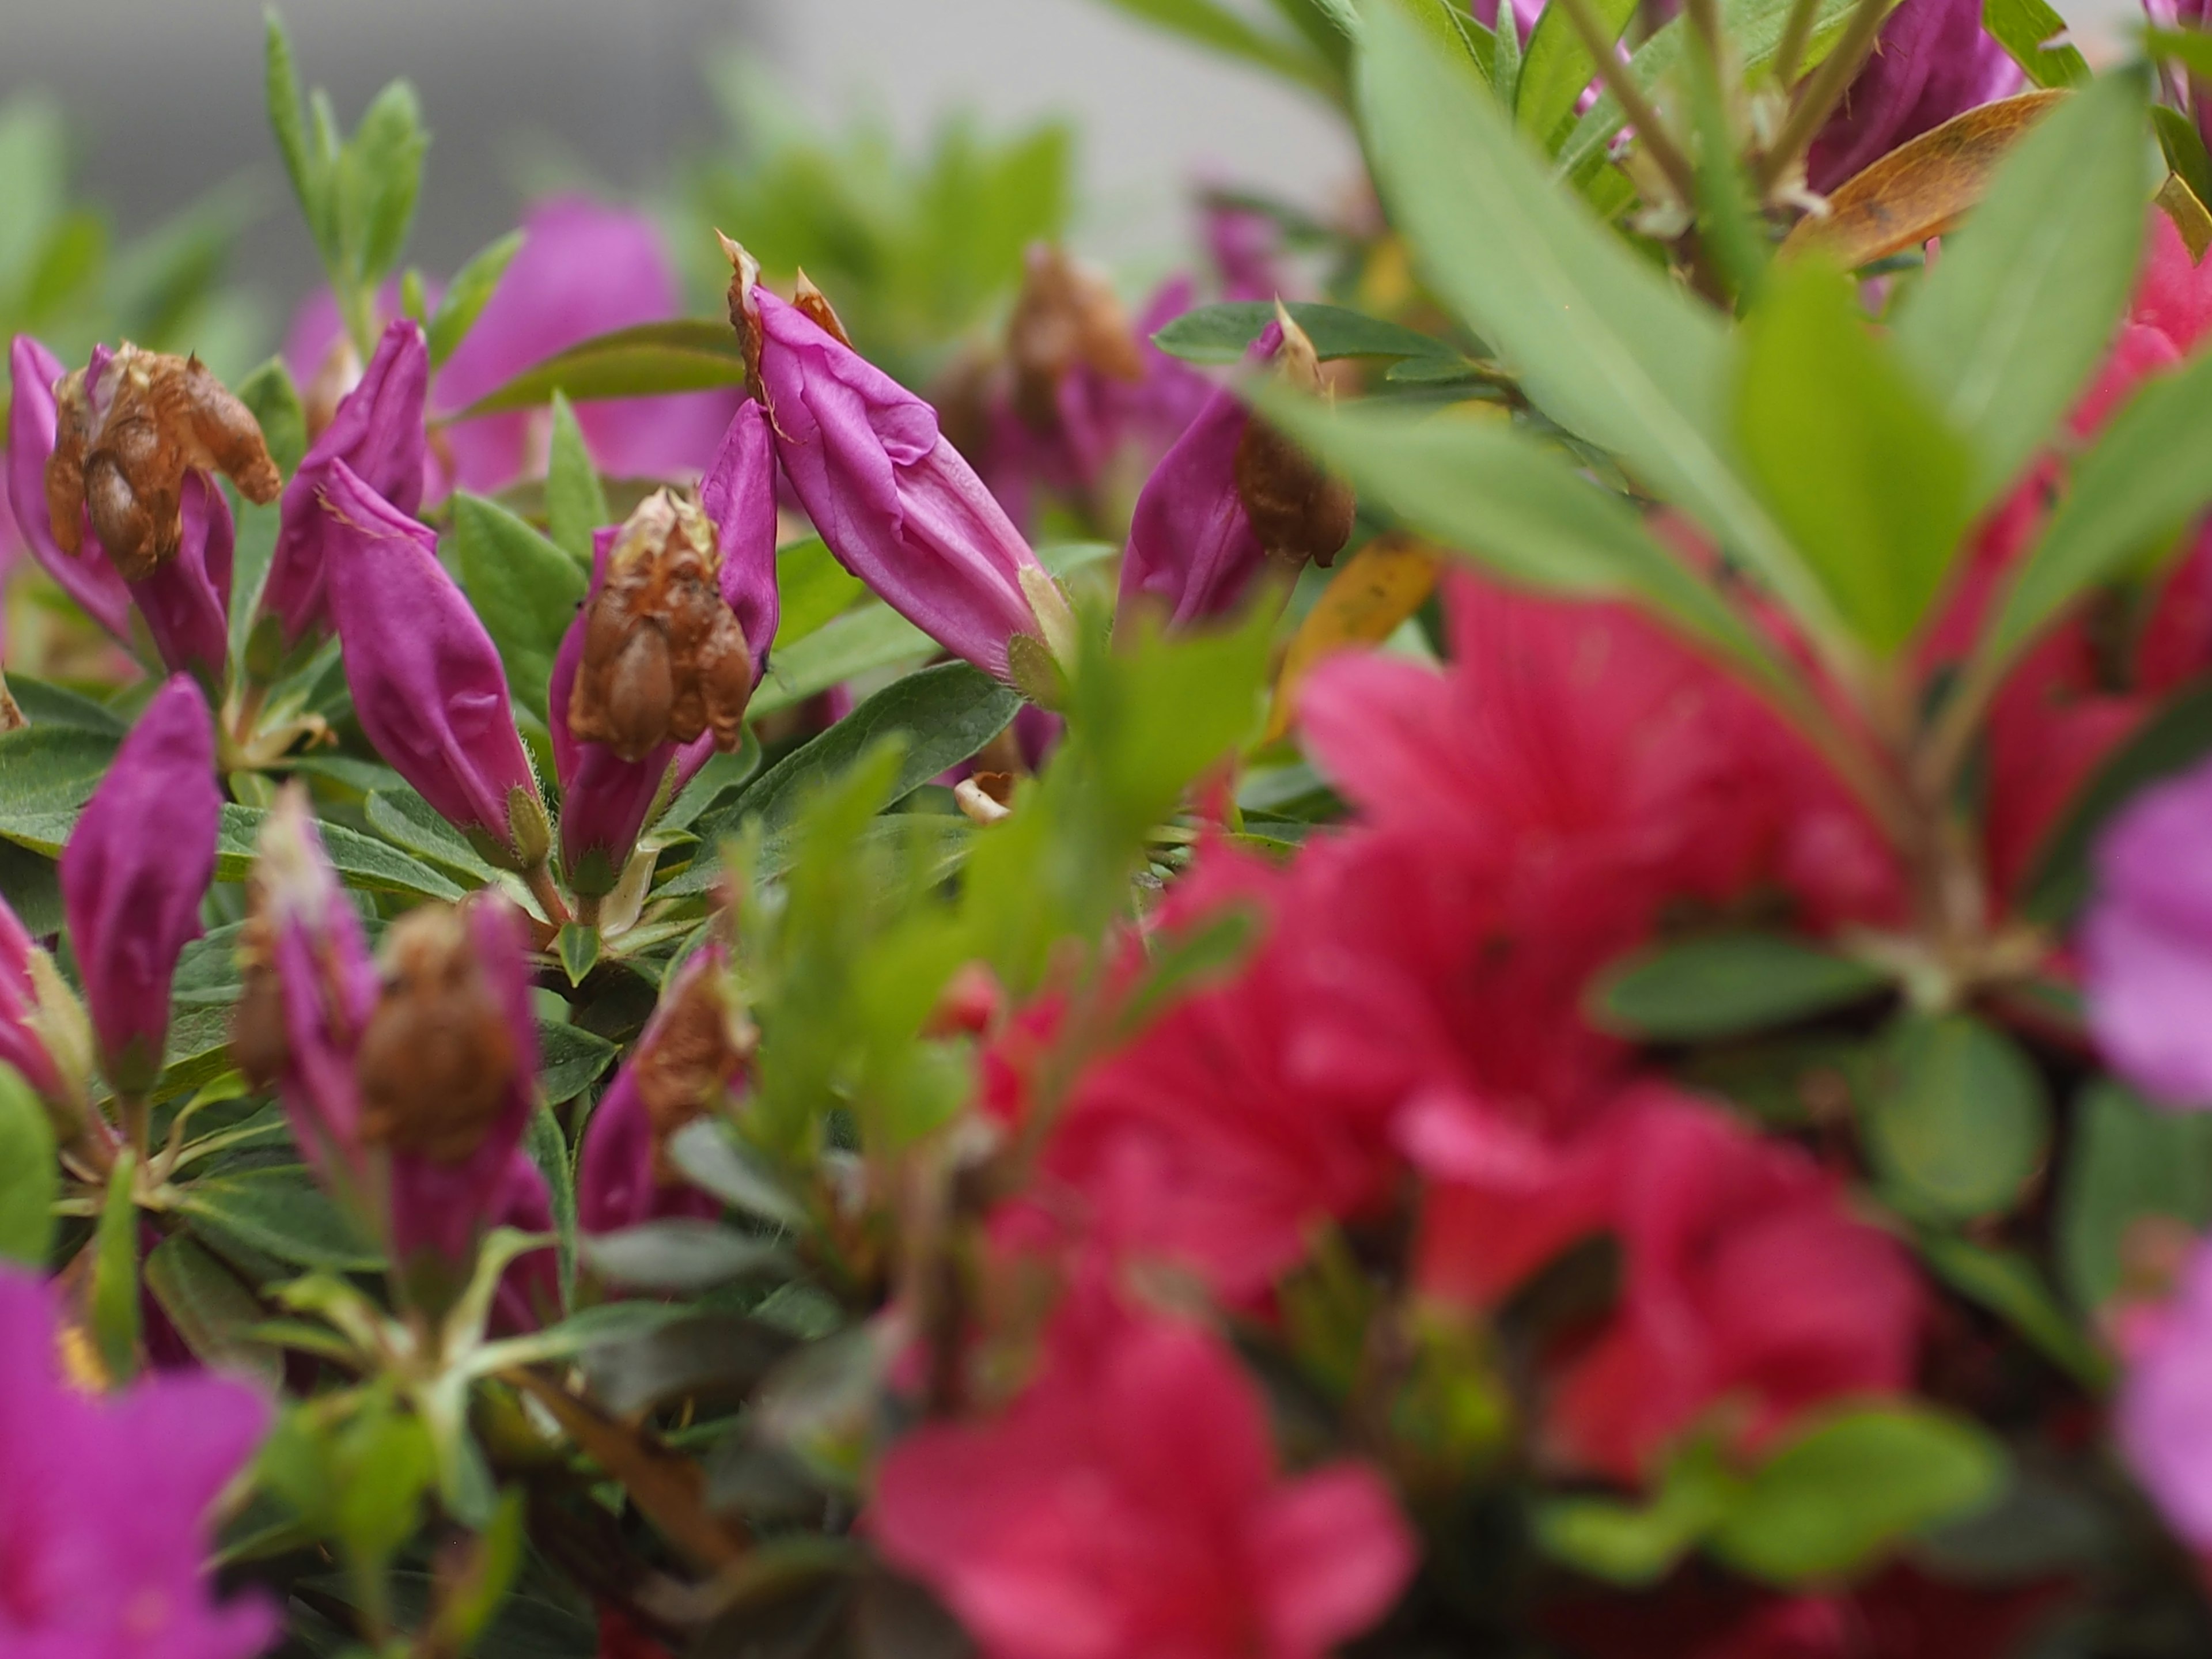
(1824, 91)
(1796, 35)
(1636, 109)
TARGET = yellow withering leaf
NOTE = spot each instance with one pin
(2189, 215)
(1376, 589)
(1921, 189)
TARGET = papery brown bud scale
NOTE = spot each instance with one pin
(437, 1059)
(1067, 316)
(1297, 509)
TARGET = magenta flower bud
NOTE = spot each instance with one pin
(448, 1073)
(1932, 60)
(692, 1049)
(892, 498)
(86, 576)
(134, 872)
(186, 601)
(427, 682)
(378, 433)
(42, 1030)
(738, 494)
(310, 988)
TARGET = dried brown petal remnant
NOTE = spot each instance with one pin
(1067, 317)
(1297, 511)
(125, 442)
(664, 657)
(436, 1060)
(696, 1045)
(260, 1044)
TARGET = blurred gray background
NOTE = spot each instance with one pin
(164, 98)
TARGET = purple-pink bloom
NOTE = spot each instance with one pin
(622, 1177)
(606, 800)
(22, 1045)
(1244, 244)
(2147, 943)
(583, 269)
(1932, 60)
(1192, 553)
(893, 499)
(87, 576)
(377, 432)
(428, 685)
(133, 874)
(186, 601)
(2163, 1416)
(104, 1502)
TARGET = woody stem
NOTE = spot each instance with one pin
(539, 878)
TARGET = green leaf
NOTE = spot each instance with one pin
(578, 948)
(1861, 471)
(715, 1162)
(644, 361)
(2022, 28)
(2190, 48)
(1836, 1496)
(114, 1304)
(1730, 986)
(51, 768)
(1221, 333)
(549, 1150)
(468, 293)
(2136, 488)
(1220, 29)
(1635, 1547)
(1963, 1121)
(720, 1356)
(2169, 743)
(281, 82)
(570, 1060)
(525, 590)
(2128, 1164)
(32, 887)
(1605, 343)
(683, 1257)
(405, 819)
(44, 703)
(210, 1309)
(942, 715)
(576, 505)
(812, 588)
(1559, 65)
(2184, 149)
(30, 1180)
(282, 1214)
(382, 174)
(874, 636)
(275, 401)
(613, 1322)
(1484, 489)
(2008, 327)
(2006, 1283)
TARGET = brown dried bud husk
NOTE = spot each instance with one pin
(745, 311)
(665, 658)
(698, 1044)
(1067, 317)
(437, 1059)
(337, 375)
(811, 303)
(12, 717)
(1297, 511)
(123, 446)
(260, 1043)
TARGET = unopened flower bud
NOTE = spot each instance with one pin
(1229, 493)
(87, 578)
(448, 1071)
(895, 502)
(1297, 511)
(428, 685)
(309, 989)
(134, 872)
(185, 600)
(436, 1061)
(1067, 317)
(376, 428)
(43, 1033)
(696, 1044)
(664, 660)
(130, 426)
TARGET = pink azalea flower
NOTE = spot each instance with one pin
(583, 270)
(1932, 60)
(1744, 1278)
(2164, 1418)
(103, 1504)
(86, 576)
(1127, 1506)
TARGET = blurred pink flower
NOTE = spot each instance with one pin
(1127, 1506)
(2164, 1417)
(104, 1504)
(1932, 60)
(583, 269)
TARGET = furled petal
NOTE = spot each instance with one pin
(378, 433)
(87, 577)
(133, 874)
(186, 601)
(738, 494)
(894, 500)
(428, 684)
(1932, 60)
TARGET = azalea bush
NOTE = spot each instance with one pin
(1488, 931)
